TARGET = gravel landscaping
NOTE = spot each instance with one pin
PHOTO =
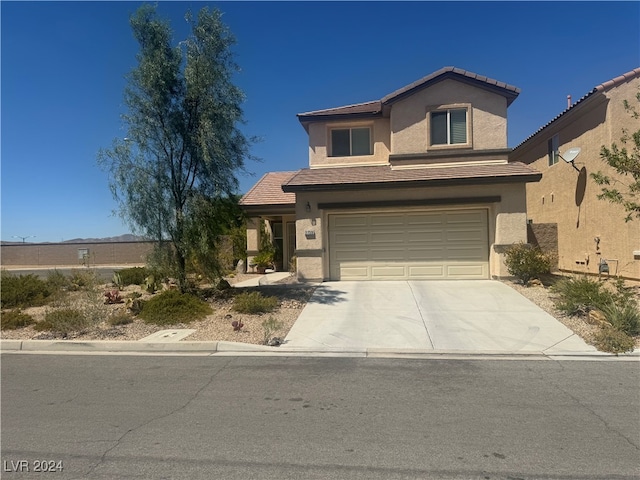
(291, 295)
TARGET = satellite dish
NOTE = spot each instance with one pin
(571, 154)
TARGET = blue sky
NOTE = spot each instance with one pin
(64, 66)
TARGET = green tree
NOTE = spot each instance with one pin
(626, 162)
(183, 147)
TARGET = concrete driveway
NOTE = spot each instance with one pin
(479, 316)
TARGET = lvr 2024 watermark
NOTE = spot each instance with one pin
(38, 466)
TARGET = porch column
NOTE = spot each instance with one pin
(253, 239)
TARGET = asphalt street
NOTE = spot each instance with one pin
(114, 416)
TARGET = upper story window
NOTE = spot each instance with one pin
(347, 142)
(553, 149)
(449, 127)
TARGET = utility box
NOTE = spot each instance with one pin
(83, 255)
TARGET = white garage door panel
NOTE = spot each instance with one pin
(435, 271)
(466, 271)
(387, 255)
(418, 245)
(389, 272)
(386, 220)
(355, 273)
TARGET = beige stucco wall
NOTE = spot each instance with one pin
(598, 121)
(409, 117)
(253, 237)
(319, 138)
(406, 131)
(66, 254)
(507, 220)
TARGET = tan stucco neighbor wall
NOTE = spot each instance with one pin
(589, 229)
(66, 254)
(507, 220)
(409, 117)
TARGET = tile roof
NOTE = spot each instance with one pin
(268, 190)
(375, 107)
(505, 89)
(603, 87)
(366, 107)
(384, 176)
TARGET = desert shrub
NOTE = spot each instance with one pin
(64, 320)
(135, 305)
(613, 341)
(622, 293)
(254, 302)
(526, 263)
(152, 284)
(57, 280)
(121, 318)
(269, 327)
(624, 316)
(171, 307)
(23, 290)
(580, 295)
(13, 319)
(132, 276)
(83, 280)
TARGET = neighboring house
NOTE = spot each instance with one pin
(416, 185)
(563, 208)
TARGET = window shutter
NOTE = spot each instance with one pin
(458, 126)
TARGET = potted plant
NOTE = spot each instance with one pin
(263, 260)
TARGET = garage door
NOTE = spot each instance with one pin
(409, 246)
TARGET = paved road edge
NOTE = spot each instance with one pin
(244, 349)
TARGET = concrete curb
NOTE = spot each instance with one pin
(244, 349)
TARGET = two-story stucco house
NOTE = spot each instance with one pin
(413, 186)
(591, 234)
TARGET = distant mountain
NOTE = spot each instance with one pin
(127, 237)
(121, 238)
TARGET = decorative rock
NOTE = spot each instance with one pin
(241, 267)
(275, 342)
(596, 317)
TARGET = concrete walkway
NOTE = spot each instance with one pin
(268, 278)
(448, 316)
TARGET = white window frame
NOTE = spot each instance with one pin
(448, 109)
(553, 150)
(350, 128)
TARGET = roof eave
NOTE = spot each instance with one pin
(270, 209)
(306, 119)
(441, 182)
(507, 91)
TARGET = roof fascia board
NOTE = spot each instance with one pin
(449, 154)
(270, 209)
(410, 203)
(445, 182)
(589, 102)
(337, 116)
(452, 75)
